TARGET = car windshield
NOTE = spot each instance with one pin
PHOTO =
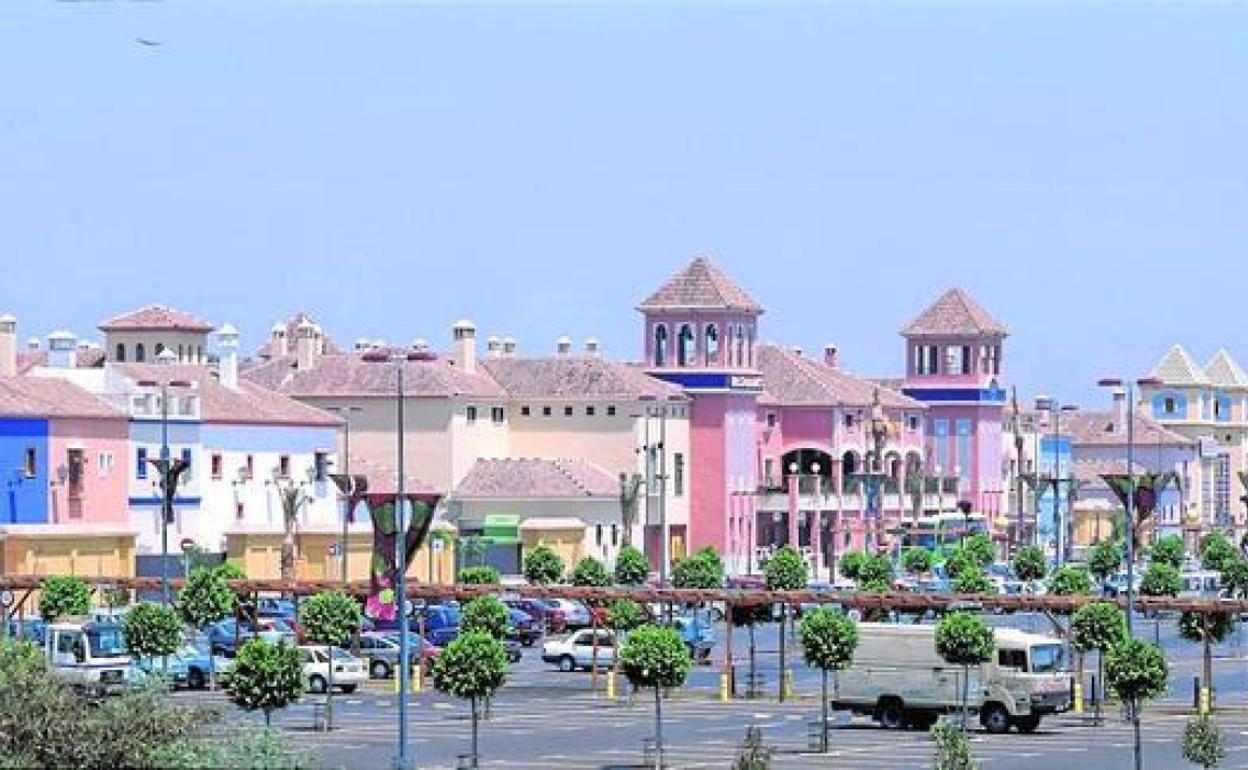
(341, 654)
(106, 642)
(1047, 659)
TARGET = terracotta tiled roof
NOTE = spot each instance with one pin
(249, 403)
(156, 317)
(382, 479)
(1177, 368)
(266, 350)
(84, 358)
(1102, 429)
(793, 380)
(1089, 471)
(954, 314)
(517, 478)
(576, 378)
(700, 285)
(1225, 371)
(43, 397)
(351, 375)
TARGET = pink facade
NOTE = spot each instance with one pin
(90, 463)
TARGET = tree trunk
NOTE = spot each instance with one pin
(1135, 726)
(1208, 667)
(784, 616)
(268, 718)
(823, 743)
(966, 689)
(658, 728)
(288, 547)
(475, 749)
(753, 670)
(329, 693)
(1099, 687)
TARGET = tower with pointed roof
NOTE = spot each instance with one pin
(701, 332)
(139, 336)
(954, 365)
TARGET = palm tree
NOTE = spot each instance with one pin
(292, 496)
(630, 491)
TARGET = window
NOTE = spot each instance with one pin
(321, 464)
(30, 463)
(140, 463)
(567, 411)
(160, 348)
(913, 421)
(121, 353)
(598, 534)
(186, 461)
(139, 354)
(545, 411)
(771, 419)
(250, 468)
(740, 346)
(615, 535)
(966, 359)
(684, 346)
(660, 345)
(678, 474)
(849, 421)
(215, 466)
(524, 411)
(1170, 405)
(1016, 659)
(470, 413)
(497, 415)
(589, 411)
(283, 466)
(181, 353)
(954, 360)
(611, 411)
(76, 461)
(769, 471)
(104, 463)
(712, 345)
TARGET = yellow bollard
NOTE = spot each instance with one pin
(724, 696)
(1206, 700)
(418, 679)
(611, 685)
(788, 683)
(1078, 697)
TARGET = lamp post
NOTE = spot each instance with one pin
(1118, 382)
(1061, 523)
(170, 473)
(404, 761)
(656, 481)
(346, 411)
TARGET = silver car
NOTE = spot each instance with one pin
(576, 650)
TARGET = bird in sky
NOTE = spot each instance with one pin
(147, 42)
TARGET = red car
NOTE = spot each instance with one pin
(542, 612)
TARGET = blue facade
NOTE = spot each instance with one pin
(23, 494)
(1055, 455)
(957, 395)
(1169, 405)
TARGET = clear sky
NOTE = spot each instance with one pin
(1081, 168)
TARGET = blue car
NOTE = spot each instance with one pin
(223, 635)
(188, 667)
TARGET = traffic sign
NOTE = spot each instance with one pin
(187, 545)
(6, 598)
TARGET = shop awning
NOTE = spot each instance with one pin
(553, 522)
(502, 528)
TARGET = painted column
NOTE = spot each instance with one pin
(793, 509)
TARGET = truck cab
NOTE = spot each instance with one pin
(88, 655)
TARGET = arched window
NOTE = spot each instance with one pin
(660, 345)
(121, 353)
(712, 345)
(849, 463)
(160, 348)
(740, 346)
(181, 353)
(749, 347)
(684, 345)
(140, 355)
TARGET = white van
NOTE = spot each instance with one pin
(898, 679)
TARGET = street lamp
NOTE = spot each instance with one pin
(346, 412)
(1060, 522)
(403, 761)
(656, 477)
(170, 473)
(1118, 382)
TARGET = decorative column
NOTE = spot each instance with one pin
(794, 503)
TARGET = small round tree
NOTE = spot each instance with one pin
(748, 616)
(63, 596)
(1104, 561)
(1216, 552)
(623, 616)
(786, 571)
(953, 750)
(876, 569)
(1235, 579)
(963, 639)
(1097, 626)
(972, 580)
(1070, 581)
(981, 549)
(482, 574)
(151, 630)
(655, 657)
(1136, 672)
(331, 619)
(1161, 579)
(204, 600)
(244, 602)
(1029, 564)
(472, 666)
(1169, 550)
(485, 614)
(265, 677)
(916, 560)
(828, 640)
(631, 567)
(704, 569)
(851, 564)
(1206, 629)
(589, 572)
(542, 566)
(1202, 742)
(958, 560)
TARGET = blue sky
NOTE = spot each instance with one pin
(1080, 168)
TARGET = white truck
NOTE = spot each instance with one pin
(90, 656)
(898, 679)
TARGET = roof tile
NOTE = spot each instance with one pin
(536, 478)
(249, 403)
(50, 397)
(578, 378)
(700, 285)
(1178, 368)
(954, 314)
(156, 318)
(790, 379)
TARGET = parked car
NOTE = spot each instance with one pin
(447, 634)
(349, 670)
(527, 631)
(222, 634)
(576, 650)
(30, 629)
(380, 651)
(543, 611)
(697, 631)
(188, 667)
(575, 614)
(273, 607)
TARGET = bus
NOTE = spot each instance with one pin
(941, 533)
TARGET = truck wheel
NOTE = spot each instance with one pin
(995, 718)
(379, 670)
(567, 664)
(195, 679)
(317, 684)
(1027, 724)
(890, 714)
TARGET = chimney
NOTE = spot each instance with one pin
(227, 366)
(32, 343)
(509, 347)
(465, 335)
(320, 340)
(8, 346)
(362, 344)
(563, 347)
(281, 345)
(62, 350)
(591, 348)
(305, 345)
(494, 347)
(1120, 410)
(831, 356)
(798, 350)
